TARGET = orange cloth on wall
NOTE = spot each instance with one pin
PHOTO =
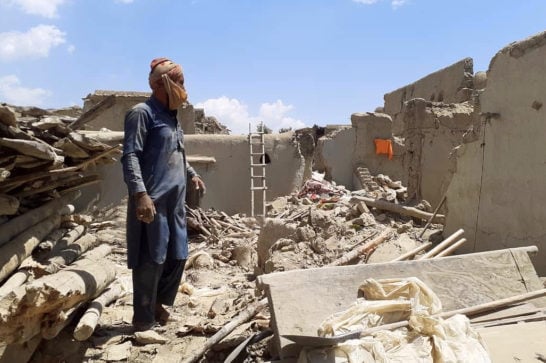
(383, 147)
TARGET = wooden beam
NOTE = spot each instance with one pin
(29, 307)
(18, 224)
(400, 209)
(13, 253)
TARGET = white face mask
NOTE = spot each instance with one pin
(177, 94)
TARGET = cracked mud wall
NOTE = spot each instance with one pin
(501, 202)
(431, 131)
(369, 126)
(333, 156)
(452, 84)
(228, 179)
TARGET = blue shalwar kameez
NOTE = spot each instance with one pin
(154, 162)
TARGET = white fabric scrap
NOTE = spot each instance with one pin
(429, 339)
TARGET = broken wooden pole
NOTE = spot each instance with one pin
(243, 317)
(345, 259)
(29, 307)
(13, 253)
(432, 217)
(400, 209)
(51, 329)
(90, 318)
(66, 256)
(15, 280)
(21, 276)
(444, 244)
(448, 251)
(8, 205)
(21, 223)
(413, 252)
(67, 239)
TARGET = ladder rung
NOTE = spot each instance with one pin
(258, 188)
(257, 176)
(258, 164)
(254, 154)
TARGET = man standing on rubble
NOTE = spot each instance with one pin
(155, 171)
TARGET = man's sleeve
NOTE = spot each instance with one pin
(133, 147)
(190, 170)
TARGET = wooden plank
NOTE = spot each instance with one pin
(515, 310)
(538, 316)
(459, 281)
(516, 342)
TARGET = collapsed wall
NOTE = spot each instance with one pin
(192, 120)
(421, 148)
(452, 84)
(497, 193)
(431, 131)
(112, 117)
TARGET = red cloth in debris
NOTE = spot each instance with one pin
(383, 147)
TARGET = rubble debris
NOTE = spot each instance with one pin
(208, 124)
(43, 157)
(226, 329)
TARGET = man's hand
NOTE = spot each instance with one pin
(199, 184)
(145, 209)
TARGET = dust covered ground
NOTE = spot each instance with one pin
(311, 228)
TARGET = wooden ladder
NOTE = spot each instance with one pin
(257, 167)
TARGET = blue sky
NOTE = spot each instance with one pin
(286, 62)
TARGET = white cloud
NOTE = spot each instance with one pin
(367, 2)
(394, 3)
(274, 116)
(12, 92)
(235, 115)
(35, 43)
(71, 48)
(46, 8)
(398, 3)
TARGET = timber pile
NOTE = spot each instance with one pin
(52, 271)
(51, 264)
(42, 156)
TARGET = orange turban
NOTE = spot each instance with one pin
(161, 66)
(169, 72)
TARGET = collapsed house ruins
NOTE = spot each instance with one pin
(452, 156)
